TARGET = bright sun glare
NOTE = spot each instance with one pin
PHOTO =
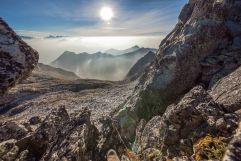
(106, 13)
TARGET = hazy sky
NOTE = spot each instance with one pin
(144, 21)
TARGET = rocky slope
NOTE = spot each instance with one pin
(210, 116)
(203, 47)
(186, 105)
(40, 93)
(63, 115)
(17, 59)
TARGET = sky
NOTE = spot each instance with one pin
(76, 25)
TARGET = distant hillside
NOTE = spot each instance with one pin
(138, 69)
(49, 71)
(101, 65)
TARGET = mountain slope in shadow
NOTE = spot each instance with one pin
(138, 69)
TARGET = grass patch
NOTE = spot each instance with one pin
(209, 148)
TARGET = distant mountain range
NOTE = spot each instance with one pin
(111, 65)
(120, 52)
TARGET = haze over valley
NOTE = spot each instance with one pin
(111, 65)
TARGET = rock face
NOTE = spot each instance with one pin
(203, 47)
(234, 149)
(138, 69)
(17, 59)
(183, 124)
(59, 137)
(227, 91)
(200, 121)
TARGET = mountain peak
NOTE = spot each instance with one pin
(113, 51)
(135, 47)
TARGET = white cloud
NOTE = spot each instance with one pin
(50, 49)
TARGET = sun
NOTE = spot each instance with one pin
(106, 13)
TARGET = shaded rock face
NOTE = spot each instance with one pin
(17, 59)
(200, 118)
(138, 69)
(206, 30)
(195, 116)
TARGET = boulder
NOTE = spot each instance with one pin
(183, 124)
(61, 137)
(151, 136)
(227, 91)
(17, 59)
(58, 137)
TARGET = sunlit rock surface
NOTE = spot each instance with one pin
(17, 59)
(182, 125)
(203, 47)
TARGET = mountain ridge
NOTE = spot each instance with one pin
(100, 65)
(113, 51)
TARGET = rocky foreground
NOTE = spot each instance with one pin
(185, 106)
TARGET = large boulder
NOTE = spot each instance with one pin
(61, 137)
(227, 91)
(184, 127)
(200, 121)
(206, 29)
(17, 59)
